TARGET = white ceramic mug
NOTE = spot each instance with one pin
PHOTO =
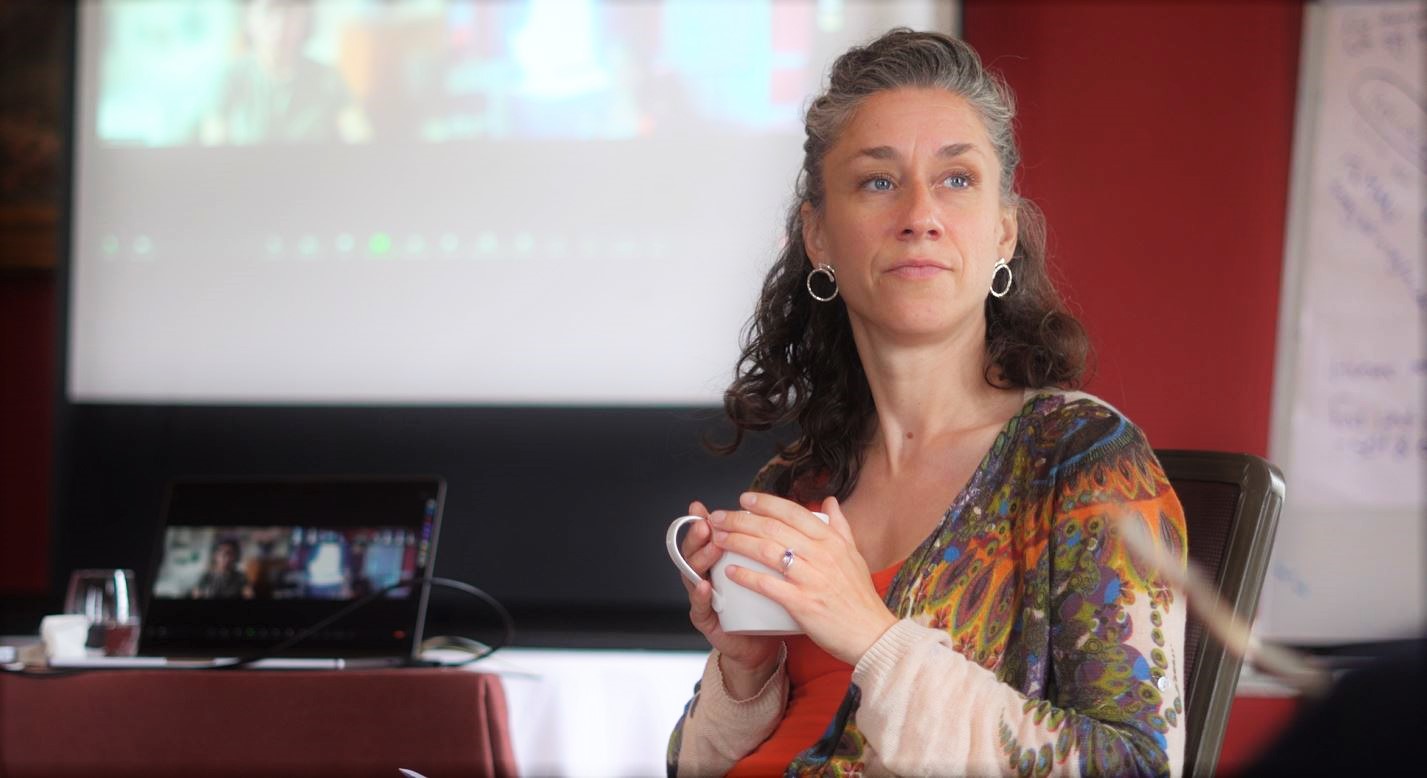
(740, 610)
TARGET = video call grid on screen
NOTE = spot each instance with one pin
(247, 563)
(289, 562)
(436, 202)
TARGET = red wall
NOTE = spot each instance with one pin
(1156, 136)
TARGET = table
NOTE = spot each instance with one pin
(437, 722)
(591, 712)
(526, 711)
(584, 712)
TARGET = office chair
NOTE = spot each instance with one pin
(1231, 506)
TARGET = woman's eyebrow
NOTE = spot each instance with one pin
(956, 149)
(889, 153)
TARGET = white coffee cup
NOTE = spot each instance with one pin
(740, 610)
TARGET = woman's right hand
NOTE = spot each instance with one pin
(746, 661)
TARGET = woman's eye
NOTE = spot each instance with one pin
(878, 184)
(958, 181)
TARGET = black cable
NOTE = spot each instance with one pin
(449, 583)
(507, 623)
(351, 607)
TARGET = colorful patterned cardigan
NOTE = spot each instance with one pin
(1030, 643)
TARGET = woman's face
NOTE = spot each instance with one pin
(912, 219)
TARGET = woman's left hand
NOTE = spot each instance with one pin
(827, 589)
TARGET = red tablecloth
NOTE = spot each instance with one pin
(255, 723)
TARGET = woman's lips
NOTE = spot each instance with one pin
(916, 269)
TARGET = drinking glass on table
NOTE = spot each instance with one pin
(108, 599)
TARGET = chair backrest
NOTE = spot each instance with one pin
(1231, 506)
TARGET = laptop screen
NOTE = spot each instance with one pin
(244, 565)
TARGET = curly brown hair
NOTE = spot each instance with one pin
(799, 362)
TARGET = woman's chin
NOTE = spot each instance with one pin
(928, 329)
(928, 318)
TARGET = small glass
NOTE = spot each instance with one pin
(108, 599)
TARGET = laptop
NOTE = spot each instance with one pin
(244, 566)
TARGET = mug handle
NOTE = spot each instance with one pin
(671, 542)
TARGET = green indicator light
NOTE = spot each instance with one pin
(380, 243)
(111, 244)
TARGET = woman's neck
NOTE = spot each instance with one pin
(929, 395)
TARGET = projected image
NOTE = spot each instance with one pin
(471, 202)
(240, 72)
(275, 563)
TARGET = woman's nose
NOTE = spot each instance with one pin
(920, 219)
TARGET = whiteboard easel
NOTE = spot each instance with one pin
(1349, 429)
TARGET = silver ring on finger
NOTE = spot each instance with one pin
(787, 561)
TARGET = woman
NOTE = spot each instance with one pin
(911, 330)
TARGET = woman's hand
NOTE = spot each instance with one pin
(827, 589)
(747, 661)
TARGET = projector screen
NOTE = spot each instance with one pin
(553, 202)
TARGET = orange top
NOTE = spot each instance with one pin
(818, 682)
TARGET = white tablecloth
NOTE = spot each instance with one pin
(593, 712)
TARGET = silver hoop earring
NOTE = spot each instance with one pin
(1001, 265)
(826, 271)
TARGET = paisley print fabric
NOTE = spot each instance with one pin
(1027, 578)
